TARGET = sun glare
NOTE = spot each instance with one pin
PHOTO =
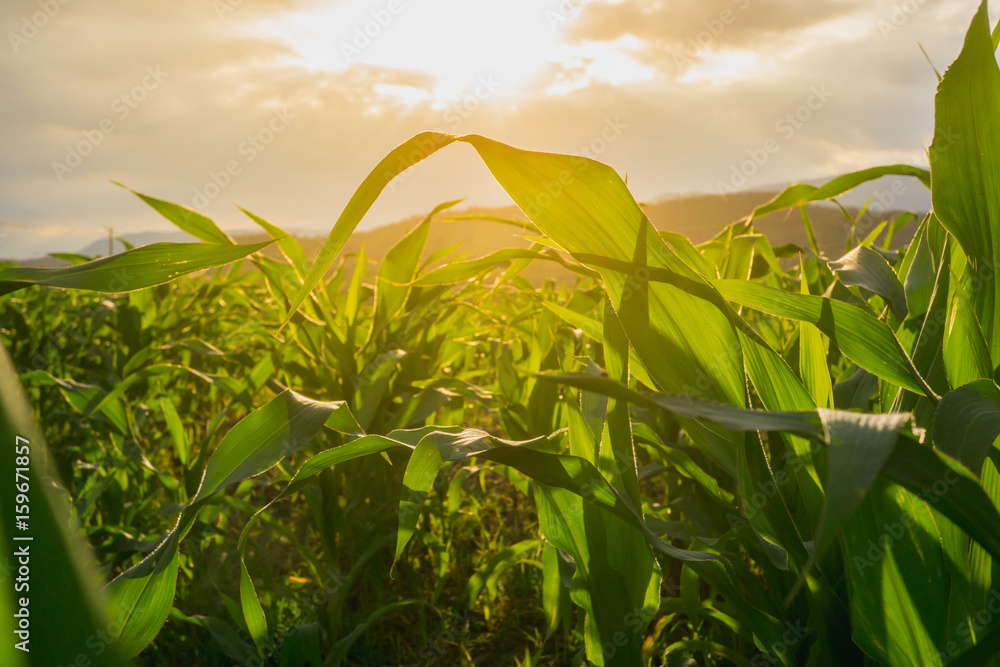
(456, 44)
(721, 67)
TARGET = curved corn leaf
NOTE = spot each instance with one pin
(802, 193)
(866, 341)
(132, 270)
(458, 271)
(142, 596)
(967, 421)
(282, 427)
(421, 470)
(864, 267)
(965, 165)
(192, 222)
(396, 162)
(918, 468)
(289, 246)
(858, 447)
(397, 269)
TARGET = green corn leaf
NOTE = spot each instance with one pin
(813, 349)
(770, 519)
(952, 489)
(967, 421)
(253, 613)
(397, 269)
(966, 352)
(864, 267)
(350, 309)
(71, 257)
(865, 340)
(288, 244)
(454, 272)
(554, 594)
(896, 576)
(859, 446)
(800, 194)
(521, 224)
(176, 428)
(724, 414)
(965, 166)
(397, 161)
(141, 597)
(66, 607)
(422, 469)
(192, 222)
(282, 427)
(132, 270)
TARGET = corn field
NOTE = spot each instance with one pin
(718, 454)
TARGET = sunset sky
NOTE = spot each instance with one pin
(283, 106)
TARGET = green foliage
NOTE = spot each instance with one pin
(714, 453)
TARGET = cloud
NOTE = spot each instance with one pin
(732, 23)
(224, 86)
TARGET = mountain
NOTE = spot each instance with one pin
(699, 217)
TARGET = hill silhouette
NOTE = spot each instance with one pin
(699, 217)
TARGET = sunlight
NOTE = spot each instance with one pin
(510, 44)
(721, 67)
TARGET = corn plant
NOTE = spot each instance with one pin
(736, 453)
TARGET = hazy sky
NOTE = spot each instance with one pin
(283, 106)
